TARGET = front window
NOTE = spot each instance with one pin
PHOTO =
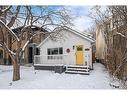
(61, 50)
(55, 53)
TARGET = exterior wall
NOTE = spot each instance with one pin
(68, 40)
(101, 46)
(37, 39)
(100, 43)
(7, 39)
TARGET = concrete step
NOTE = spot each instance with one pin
(76, 66)
(78, 69)
(77, 72)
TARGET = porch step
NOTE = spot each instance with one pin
(77, 70)
(78, 67)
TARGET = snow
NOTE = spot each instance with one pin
(121, 34)
(42, 79)
(49, 64)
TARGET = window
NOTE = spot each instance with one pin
(55, 53)
(48, 52)
(37, 51)
(79, 48)
(61, 50)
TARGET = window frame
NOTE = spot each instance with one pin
(51, 51)
(52, 56)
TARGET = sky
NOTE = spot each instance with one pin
(82, 20)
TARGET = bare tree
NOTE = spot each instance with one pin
(27, 16)
(101, 16)
(112, 22)
(92, 30)
(119, 33)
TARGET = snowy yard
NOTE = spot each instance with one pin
(40, 79)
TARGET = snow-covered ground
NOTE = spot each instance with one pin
(40, 79)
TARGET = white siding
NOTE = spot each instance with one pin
(68, 40)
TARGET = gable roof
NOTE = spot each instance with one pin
(73, 31)
(85, 36)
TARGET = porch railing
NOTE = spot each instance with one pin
(66, 59)
(53, 59)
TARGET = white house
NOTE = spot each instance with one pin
(65, 47)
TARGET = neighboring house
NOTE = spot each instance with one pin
(4, 57)
(100, 44)
(100, 39)
(111, 50)
(30, 50)
(65, 47)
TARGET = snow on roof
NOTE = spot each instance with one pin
(34, 28)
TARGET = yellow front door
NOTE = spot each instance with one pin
(79, 55)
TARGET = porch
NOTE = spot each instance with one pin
(60, 63)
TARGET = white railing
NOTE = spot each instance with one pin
(66, 59)
(53, 59)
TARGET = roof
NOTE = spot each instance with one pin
(75, 32)
(34, 28)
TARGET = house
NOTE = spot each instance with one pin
(110, 49)
(4, 57)
(65, 47)
(30, 50)
(101, 47)
(100, 44)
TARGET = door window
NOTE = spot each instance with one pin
(79, 48)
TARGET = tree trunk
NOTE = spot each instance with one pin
(16, 65)
(16, 72)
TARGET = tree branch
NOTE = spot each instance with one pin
(7, 9)
(9, 30)
(12, 21)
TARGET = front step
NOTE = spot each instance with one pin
(77, 70)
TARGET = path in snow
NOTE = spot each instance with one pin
(39, 79)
